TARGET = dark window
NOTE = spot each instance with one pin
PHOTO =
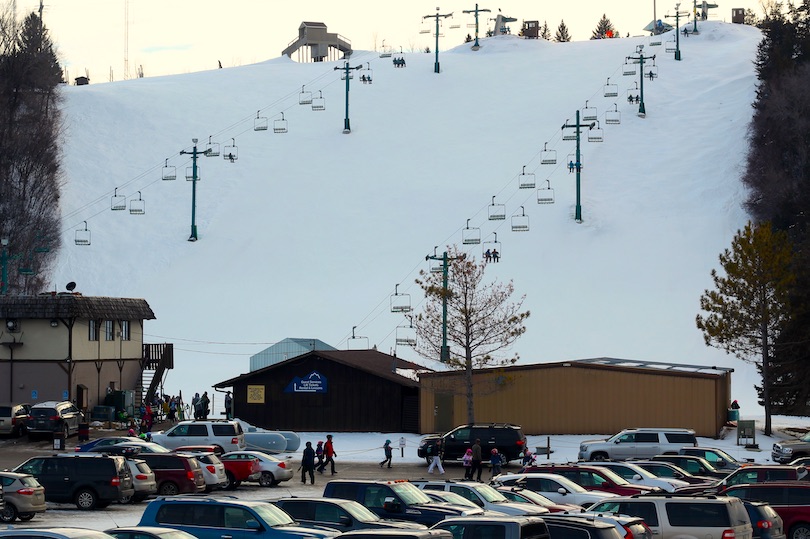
(534, 531)
(375, 496)
(6, 481)
(223, 429)
(92, 327)
(561, 531)
(646, 437)
(197, 430)
(459, 531)
(798, 496)
(237, 517)
(434, 487)
(643, 510)
(698, 515)
(297, 510)
(344, 491)
(109, 330)
(680, 438)
(125, 335)
(466, 493)
(462, 435)
(326, 512)
(780, 475)
(486, 531)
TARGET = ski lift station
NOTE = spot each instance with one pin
(315, 44)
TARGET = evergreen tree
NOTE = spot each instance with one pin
(750, 18)
(604, 29)
(562, 34)
(545, 31)
(481, 319)
(749, 307)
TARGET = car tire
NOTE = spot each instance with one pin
(232, 483)
(123, 500)
(86, 499)
(66, 430)
(25, 517)
(599, 455)
(267, 480)
(218, 450)
(8, 514)
(800, 531)
(168, 489)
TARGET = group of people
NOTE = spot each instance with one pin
(399, 62)
(201, 405)
(492, 255)
(365, 79)
(317, 458)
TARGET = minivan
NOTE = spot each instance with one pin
(51, 417)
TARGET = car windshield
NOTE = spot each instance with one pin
(272, 515)
(570, 485)
(723, 454)
(490, 494)
(614, 477)
(43, 412)
(539, 499)
(360, 512)
(409, 494)
(452, 497)
(147, 447)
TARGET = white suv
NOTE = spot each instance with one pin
(224, 435)
(641, 443)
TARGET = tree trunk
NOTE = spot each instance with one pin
(468, 374)
(766, 369)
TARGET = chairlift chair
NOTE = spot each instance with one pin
(212, 148)
(356, 342)
(400, 303)
(589, 114)
(545, 195)
(670, 46)
(520, 223)
(405, 336)
(230, 152)
(343, 74)
(319, 103)
(366, 74)
(595, 134)
(470, 235)
(548, 157)
(118, 202)
(656, 40)
(304, 98)
(260, 123)
(628, 69)
(651, 72)
(611, 90)
(633, 93)
(493, 247)
(137, 206)
(190, 174)
(613, 117)
(280, 126)
(526, 180)
(82, 236)
(169, 172)
(497, 212)
(572, 163)
(569, 134)
(435, 263)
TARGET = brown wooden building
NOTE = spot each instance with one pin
(593, 396)
(342, 390)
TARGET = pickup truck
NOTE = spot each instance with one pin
(509, 527)
(788, 450)
(399, 500)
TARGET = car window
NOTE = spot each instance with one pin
(459, 531)
(780, 474)
(643, 510)
(326, 512)
(561, 531)
(179, 430)
(43, 412)
(237, 517)
(5, 411)
(191, 514)
(6, 481)
(489, 531)
(462, 435)
(344, 490)
(742, 477)
(375, 496)
(534, 531)
(223, 429)
(434, 487)
(680, 438)
(701, 515)
(297, 510)
(797, 496)
(54, 466)
(647, 437)
(197, 430)
(33, 467)
(466, 493)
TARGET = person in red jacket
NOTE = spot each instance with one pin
(329, 455)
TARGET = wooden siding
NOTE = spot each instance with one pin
(557, 399)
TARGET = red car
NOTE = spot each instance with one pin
(790, 500)
(239, 467)
(592, 478)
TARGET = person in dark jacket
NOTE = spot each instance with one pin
(476, 467)
(308, 464)
(388, 453)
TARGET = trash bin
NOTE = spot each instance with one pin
(84, 432)
(733, 414)
(59, 441)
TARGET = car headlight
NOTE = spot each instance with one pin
(787, 450)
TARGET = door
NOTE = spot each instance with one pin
(624, 447)
(443, 412)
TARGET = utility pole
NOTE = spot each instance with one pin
(444, 355)
(578, 165)
(638, 58)
(476, 11)
(437, 16)
(347, 74)
(677, 30)
(194, 153)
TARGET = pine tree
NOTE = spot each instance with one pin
(545, 31)
(562, 34)
(604, 29)
(481, 319)
(750, 307)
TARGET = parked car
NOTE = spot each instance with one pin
(240, 466)
(23, 495)
(766, 523)
(227, 435)
(511, 527)
(459, 503)
(520, 494)
(636, 475)
(272, 470)
(143, 480)
(216, 517)
(175, 473)
(148, 532)
(483, 496)
(342, 515)
(758, 473)
(212, 468)
(592, 477)
(88, 480)
(143, 447)
(659, 468)
(628, 527)
(555, 487)
(55, 533)
(788, 450)
(14, 418)
(716, 457)
(790, 500)
(104, 442)
(694, 465)
(671, 516)
(506, 437)
(637, 443)
(49, 417)
(572, 527)
(396, 534)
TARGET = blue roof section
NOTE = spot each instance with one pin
(286, 349)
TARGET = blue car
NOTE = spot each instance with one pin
(102, 442)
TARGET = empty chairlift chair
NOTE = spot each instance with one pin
(260, 123)
(548, 157)
(526, 180)
(628, 69)
(611, 90)
(319, 103)
(137, 206)
(118, 202)
(400, 303)
(671, 46)
(82, 235)
(589, 114)
(304, 98)
(595, 134)
(569, 134)
(613, 117)
(169, 172)
(470, 235)
(190, 174)
(280, 125)
(656, 40)
(497, 212)
(520, 222)
(545, 195)
(406, 335)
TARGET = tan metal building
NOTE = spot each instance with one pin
(589, 396)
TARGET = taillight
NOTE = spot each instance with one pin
(77, 449)
(190, 475)
(54, 418)
(141, 477)
(520, 442)
(628, 532)
(764, 524)
(13, 420)
(235, 440)
(282, 465)
(728, 534)
(116, 481)
(25, 491)
(210, 468)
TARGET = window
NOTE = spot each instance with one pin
(223, 429)
(486, 531)
(109, 330)
(645, 510)
(647, 437)
(125, 336)
(705, 515)
(561, 531)
(298, 510)
(197, 430)
(92, 327)
(681, 438)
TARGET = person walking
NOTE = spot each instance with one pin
(476, 460)
(437, 457)
(466, 461)
(319, 456)
(389, 453)
(329, 455)
(308, 464)
(495, 462)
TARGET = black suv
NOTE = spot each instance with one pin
(51, 417)
(507, 438)
(342, 515)
(85, 479)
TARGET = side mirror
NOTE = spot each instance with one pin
(637, 477)
(345, 521)
(391, 504)
(562, 491)
(252, 524)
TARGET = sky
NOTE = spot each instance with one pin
(183, 36)
(307, 233)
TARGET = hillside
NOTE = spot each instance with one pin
(306, 234)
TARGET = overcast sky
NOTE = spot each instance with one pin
(181, 36)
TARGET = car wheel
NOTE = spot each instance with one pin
(800, 531)
(267, 480)
(126, 499)
(86, 499)
(25, 517)
(8, 514)
(66, 430)
(218, 450)
(168, 489)
(600, 456)
(138, 499)
(232, 483)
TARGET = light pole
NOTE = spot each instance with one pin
(476, 11)
(194, 153)
(347, 74)
(639, 57)
(437, 16)
(444, 355)
(578, 165)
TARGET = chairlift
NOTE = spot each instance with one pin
(628, 69)
(651, 72)
(633, 94)
(304, 98)
(436, 264)
(455, 26)
(589, 114)
(280, 126)
(366, 74)
(497, 212)
(212, 148)
(671, 46)
(118, 202)
(169, 172)
(319, 103)
(190, 174)
(656, 40)
(137, 206)
(405, 335)
(611, 90)
(343, 74)
(595, 134)
(545, 195)
(574, 164)
(470, 235)
(82, 236)
(526, 180)
(493, 247)
(569, 134)
(356, 342)
(613, 117)
(260, 123)
(520, 223)
(230, 152)
(400, 303)
(548, 157)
